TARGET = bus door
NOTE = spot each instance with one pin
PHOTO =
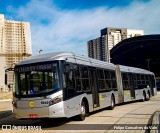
(131, 82)
(94, 88)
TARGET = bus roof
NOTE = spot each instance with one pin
(134, 70)
(77, 59)
(68, 57)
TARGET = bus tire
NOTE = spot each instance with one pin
(143, 97)
(112, 103)
(83, 111)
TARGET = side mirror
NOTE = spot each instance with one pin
(5, 79)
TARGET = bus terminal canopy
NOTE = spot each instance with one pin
(141, 51)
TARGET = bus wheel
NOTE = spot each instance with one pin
(112, 103)
(83, 110)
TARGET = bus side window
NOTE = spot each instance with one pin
(135, 80)
(139, 81)
(69, 75)
(85, 78)
(77, 78)
(70, 82)
(113, 79)
(125, 80)
(107, 79)
(101, 85)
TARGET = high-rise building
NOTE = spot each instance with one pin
(109, 38)
(94, 47)
(15, 45)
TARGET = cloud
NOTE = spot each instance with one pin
(54, 29)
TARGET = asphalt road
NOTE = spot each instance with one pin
(136, 113)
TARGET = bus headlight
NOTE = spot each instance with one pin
(55, 100)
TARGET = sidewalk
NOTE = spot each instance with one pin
(5, 96)
(5, 104)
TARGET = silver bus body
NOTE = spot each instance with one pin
(43, 107)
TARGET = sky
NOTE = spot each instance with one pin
(67, 25)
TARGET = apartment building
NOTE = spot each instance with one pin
(15, 45)
(94, 47)
(109, 38)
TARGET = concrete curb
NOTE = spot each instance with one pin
(6, 113)
(155, 122)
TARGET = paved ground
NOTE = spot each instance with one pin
(5, 95)
(5, 108)
(137, 113)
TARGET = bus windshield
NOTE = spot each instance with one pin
(36, 79)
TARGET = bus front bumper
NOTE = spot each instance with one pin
(54, 111)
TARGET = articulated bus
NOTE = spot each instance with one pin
(63, 84)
